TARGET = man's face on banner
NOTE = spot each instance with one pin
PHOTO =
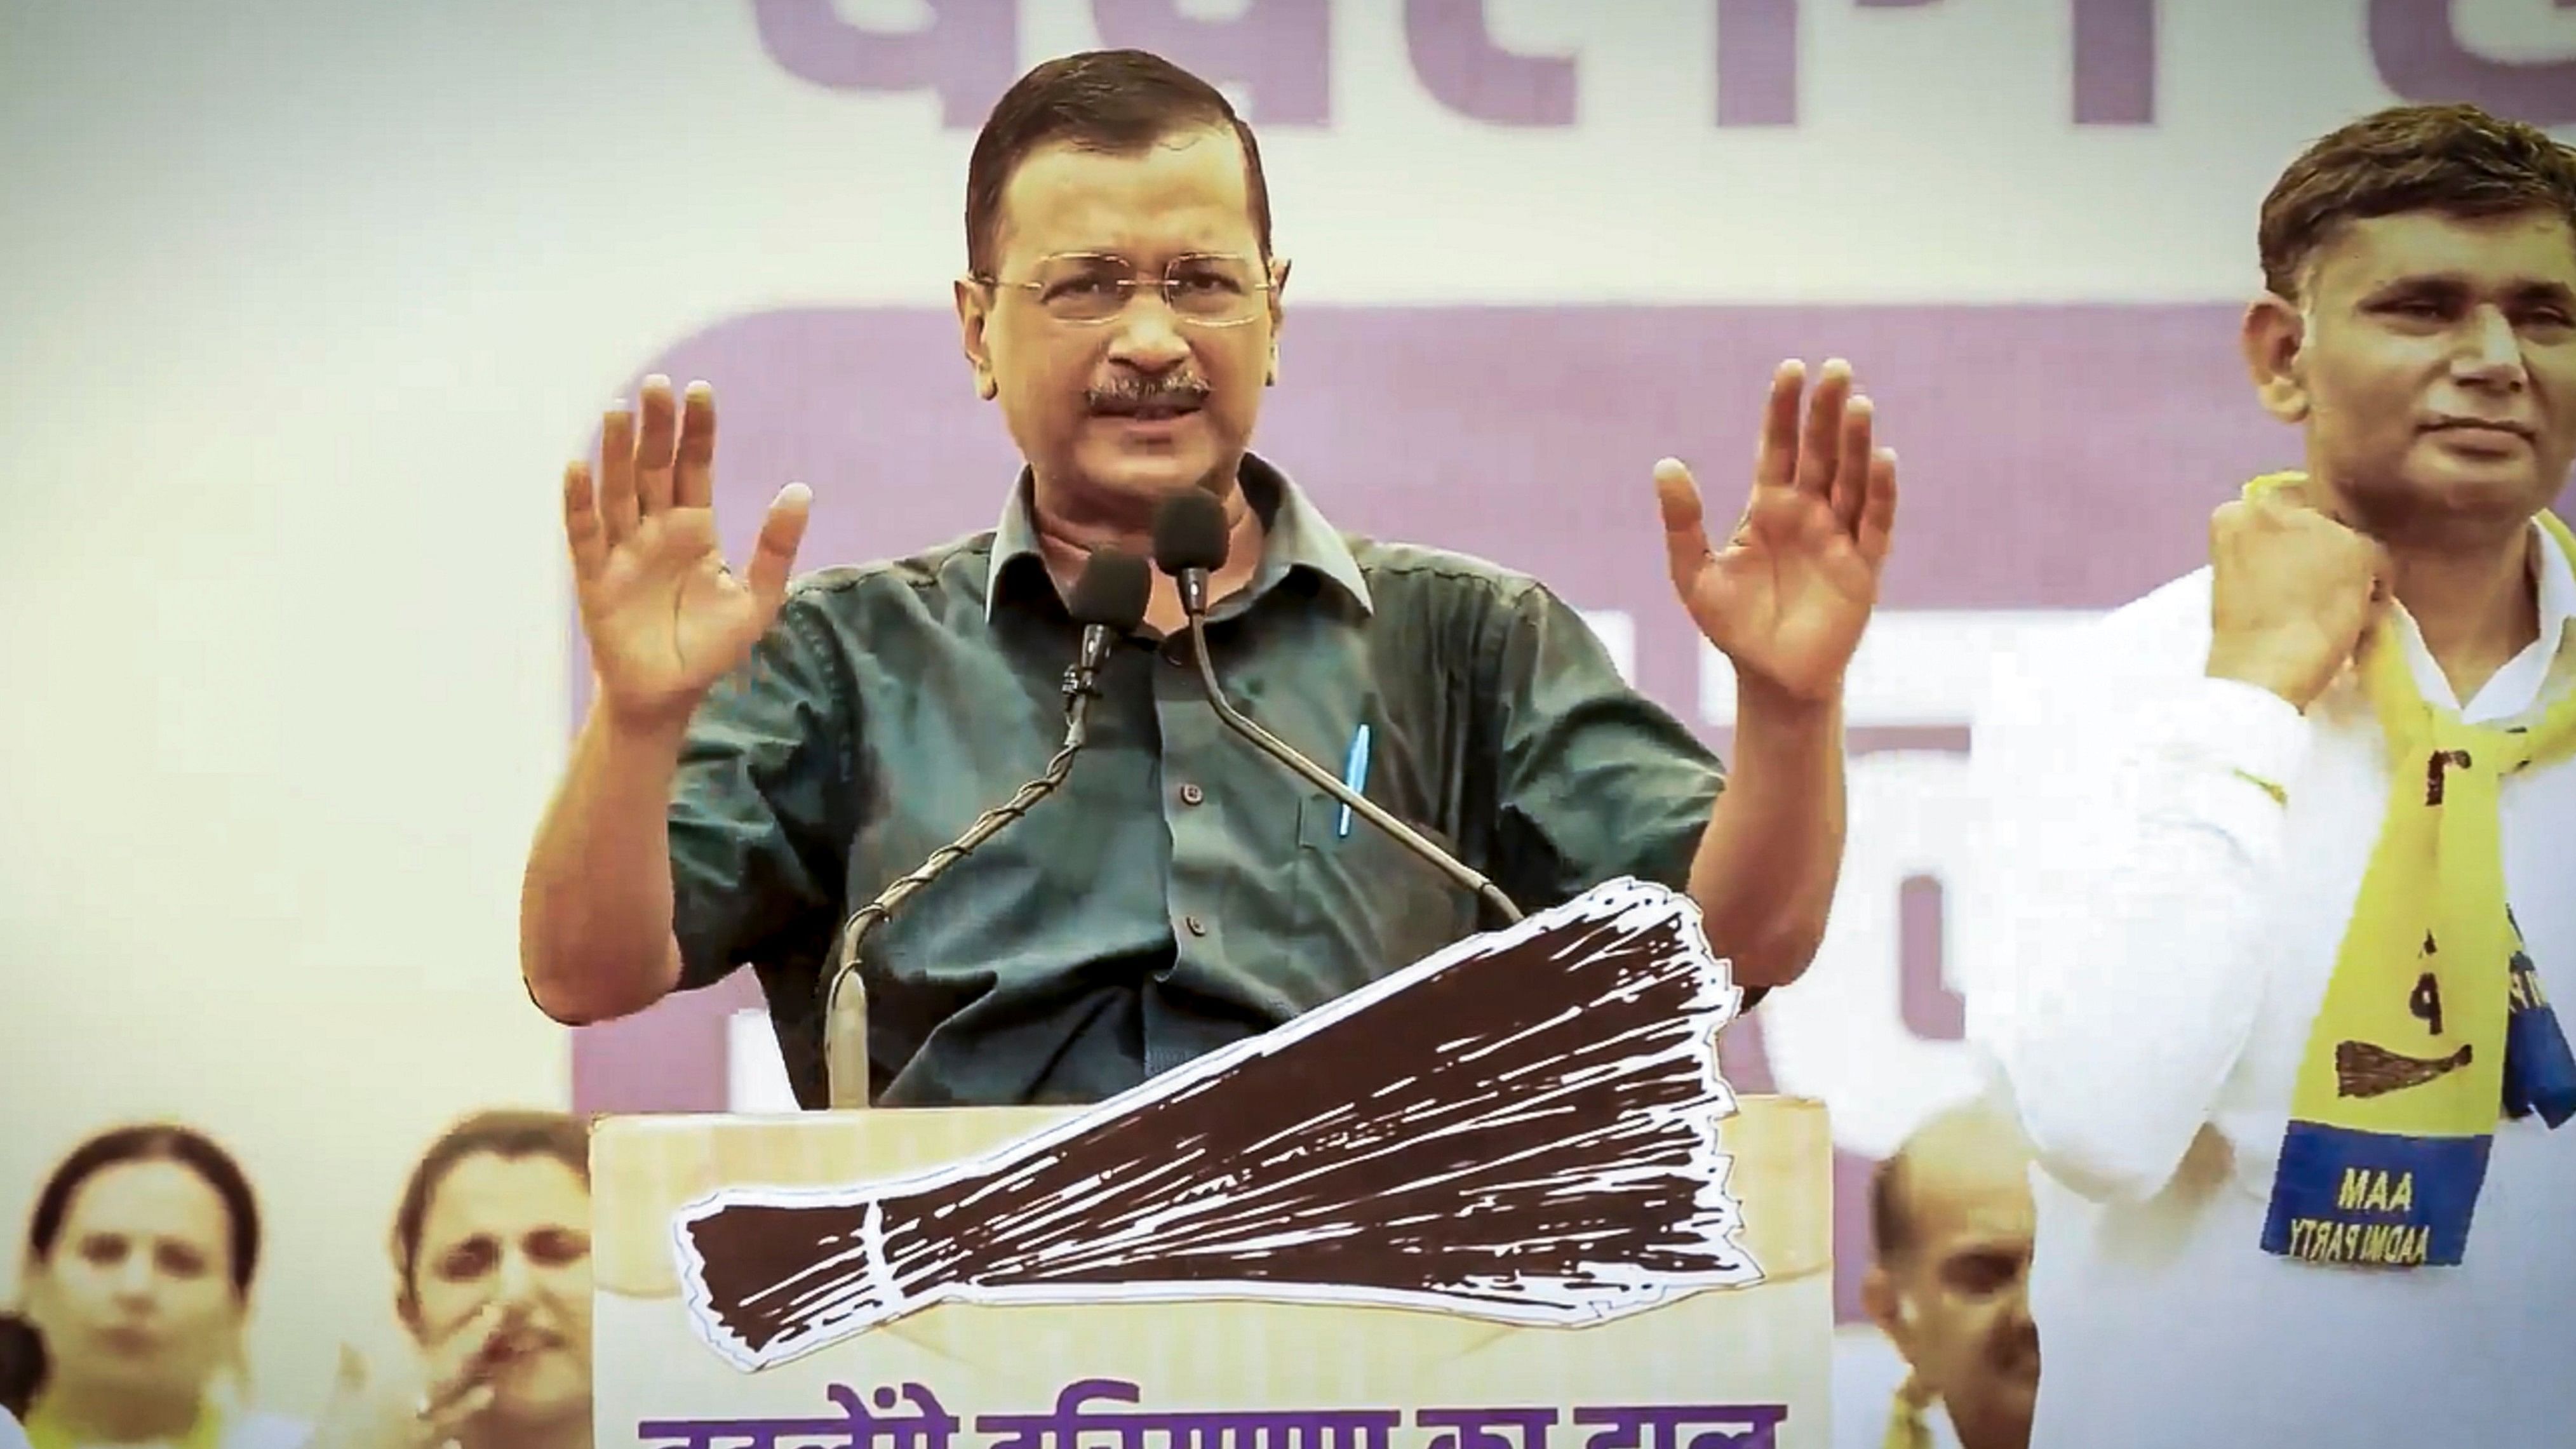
(513, 1231)
(1128, 402)
(2439, 367)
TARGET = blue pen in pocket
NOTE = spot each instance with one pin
(1355, 775)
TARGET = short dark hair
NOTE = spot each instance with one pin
(153, 1142)
(2451, 158)
(1116, 101)
(502, 1133)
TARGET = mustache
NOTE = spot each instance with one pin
(1135, 394)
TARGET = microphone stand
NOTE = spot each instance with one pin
(845, 1018)
(1194, 607)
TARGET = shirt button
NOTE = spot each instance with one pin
(1197, 926)
(1191, 794)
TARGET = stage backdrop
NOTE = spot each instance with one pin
(1535, 252)
(310, 301)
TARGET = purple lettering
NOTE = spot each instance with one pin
(2115, 58)
(1281, 49)
(1757, 62)
(969, 53)
(2417, 49)
(1458, 62)
(1925, 1002)
(2115, 62)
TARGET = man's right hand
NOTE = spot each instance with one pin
(664, 616)
(2292, 593)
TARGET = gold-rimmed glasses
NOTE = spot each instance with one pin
(1206, 289)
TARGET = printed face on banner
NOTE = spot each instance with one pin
(1523, 1128)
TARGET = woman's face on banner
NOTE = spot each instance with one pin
(137, 1294)
(513, 1231)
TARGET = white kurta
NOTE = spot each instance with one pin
(2165, 932)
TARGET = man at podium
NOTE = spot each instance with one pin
(763, 755)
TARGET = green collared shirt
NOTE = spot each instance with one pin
(1182, 890)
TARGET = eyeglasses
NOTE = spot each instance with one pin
(1204, 290)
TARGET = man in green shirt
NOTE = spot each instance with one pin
(762, 755)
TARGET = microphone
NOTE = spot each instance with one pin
(1189, 544)
(1108, 601)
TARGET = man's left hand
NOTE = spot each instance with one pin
(1787, 597)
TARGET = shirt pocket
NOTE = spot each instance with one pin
(1366, 905)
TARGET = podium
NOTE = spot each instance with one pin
(1500, 1199)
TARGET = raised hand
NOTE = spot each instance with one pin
(1787, 597)
(2292, 592)
(664, 616)
(429, 1404)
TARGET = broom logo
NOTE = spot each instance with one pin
(2365, 1069)
(1521, 1128)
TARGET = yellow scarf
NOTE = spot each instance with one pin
(44, 1431)
(2433, 1022)
(1906, 1426)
